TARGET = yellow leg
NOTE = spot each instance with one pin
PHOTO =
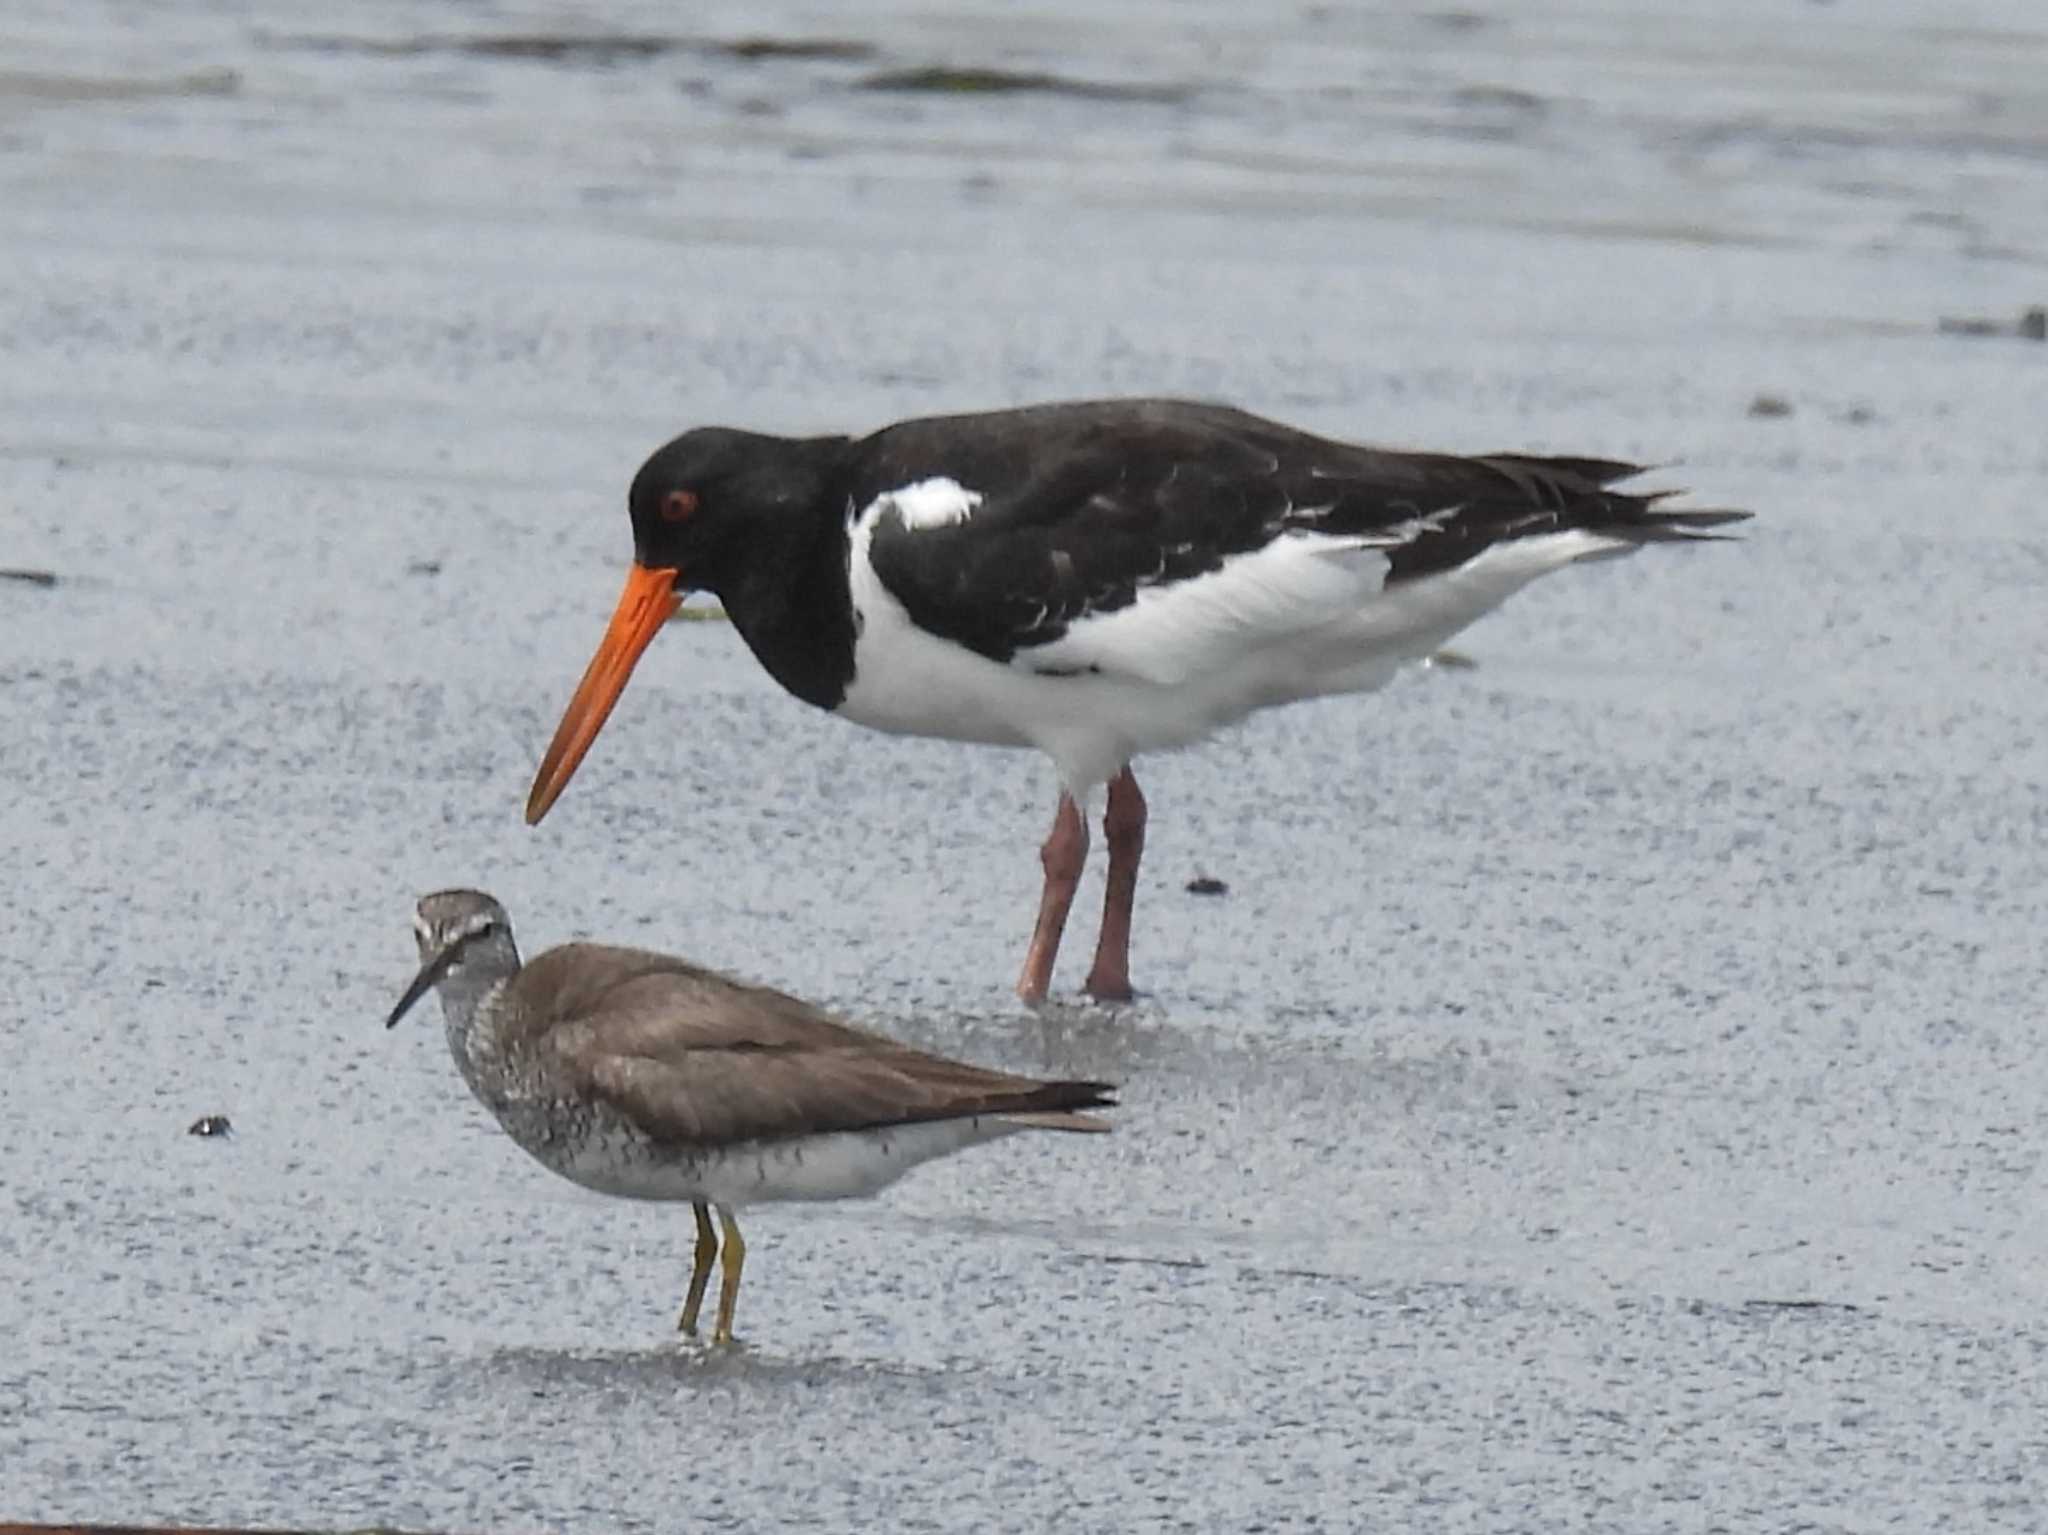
(734, 1255)
(700, 1271)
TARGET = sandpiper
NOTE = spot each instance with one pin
(648, 1077)
(1094, 580)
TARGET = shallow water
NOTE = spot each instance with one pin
(1609, 1093)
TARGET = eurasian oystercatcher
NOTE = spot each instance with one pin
(644, 1076)
(1095, 580)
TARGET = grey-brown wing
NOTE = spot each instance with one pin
(636, 1002)
(695, 1057)
(724, 1095)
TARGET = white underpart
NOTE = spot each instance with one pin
(849, 1164)
(1305, 616)
(1177, 634)
(933, 503)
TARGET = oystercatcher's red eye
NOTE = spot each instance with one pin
(678, 504)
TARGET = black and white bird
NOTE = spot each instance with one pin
(1096, 580)
(645, 1076)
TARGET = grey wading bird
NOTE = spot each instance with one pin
(648, 1077)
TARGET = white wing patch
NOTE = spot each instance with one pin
(934, 503)
(1209, 623)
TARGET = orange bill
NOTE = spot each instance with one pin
(649, 601)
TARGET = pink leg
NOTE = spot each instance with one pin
(1065, 850)
(1123, 826)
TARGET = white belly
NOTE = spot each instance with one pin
(1089, 725)
(843, 1165)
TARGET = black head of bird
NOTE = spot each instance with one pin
(713, 511)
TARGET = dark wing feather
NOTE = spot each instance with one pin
(718, 1097)
(693, 1057)
(1524, 496)
(1084, 505)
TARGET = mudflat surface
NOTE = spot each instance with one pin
(1610, 1094)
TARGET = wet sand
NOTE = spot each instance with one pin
(1609, 1094)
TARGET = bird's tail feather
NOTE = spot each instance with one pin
(1650, 525)
(1632, 515)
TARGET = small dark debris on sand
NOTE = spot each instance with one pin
(1207, 884)
(831, 50)
(1504, 98)
(2032, 325)
(423, 568)
(1770, 407)
(569, 47)
(1800, 1305)
(947, 80)
(599, 49)
(212, 81)
(209, 1125)
(44, 578)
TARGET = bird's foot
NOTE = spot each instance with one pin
(1109, 987)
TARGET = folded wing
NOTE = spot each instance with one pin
(1157, 539)
(695, 1058)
